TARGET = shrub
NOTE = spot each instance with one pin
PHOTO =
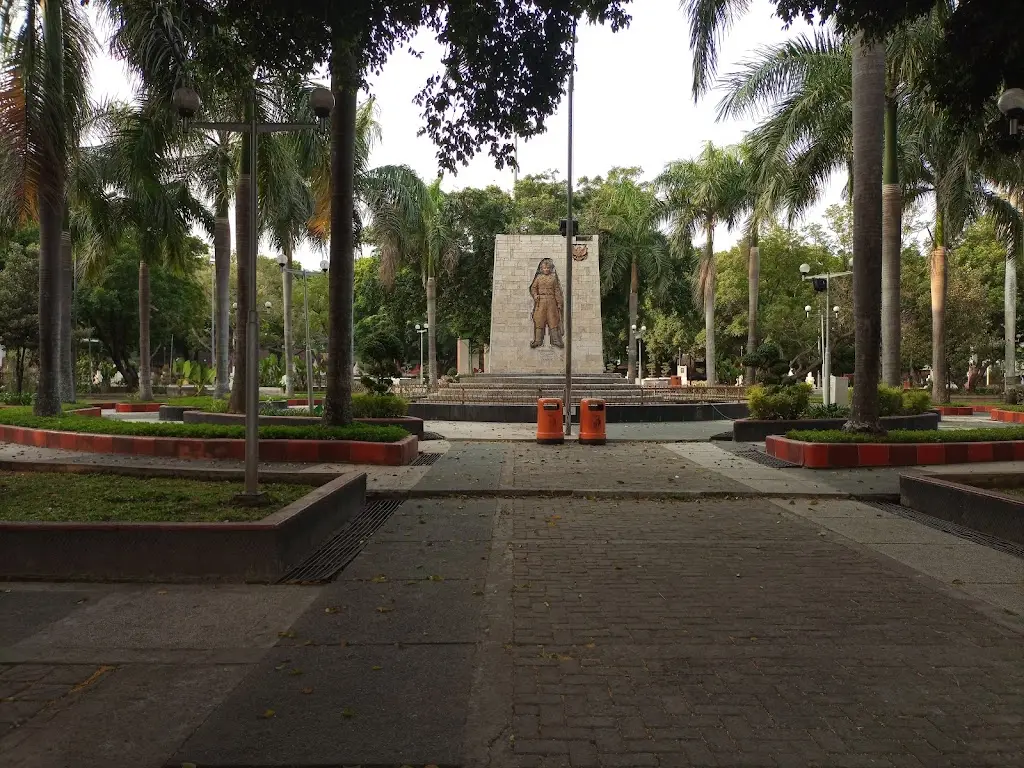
(15, 398)
(984, 434)
(822, 411)
(768, 364)
(916, 401)
(890, 400)
(23, 417)
(208, 404)
(374, 406)
(774, 402)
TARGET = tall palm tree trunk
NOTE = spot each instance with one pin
(432, 331)
(345, 84)
(289, 355)
(145, 372)
(634, 285)
(939, 267)
(50, 225)
(892, 243)
(243, 223)
(709, 307)
(67, 350)
(753, 281)
(868, 131)
(1010, 318)
(222, 267)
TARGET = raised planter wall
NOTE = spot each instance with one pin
(980, 509)
(410, 424)
(324, 451)
(261, 551)
(1014, 417)
(838, 455)
(616, 414)
(138, 407)
(756, 430)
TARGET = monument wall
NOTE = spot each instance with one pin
(528, 308)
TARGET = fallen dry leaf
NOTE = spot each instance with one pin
(267, 714)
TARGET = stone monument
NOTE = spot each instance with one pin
(528, 306)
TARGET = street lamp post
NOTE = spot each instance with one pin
(304, 274)
(186, 101)
(639, 334)
(826, 358)
(421, 329)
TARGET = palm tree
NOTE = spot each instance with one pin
(43, 87)
(628, 222)
(701, 194)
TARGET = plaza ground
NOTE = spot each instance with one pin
(637, 604)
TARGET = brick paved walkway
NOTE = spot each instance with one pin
(731, 633)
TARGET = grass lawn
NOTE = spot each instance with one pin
(58, 497)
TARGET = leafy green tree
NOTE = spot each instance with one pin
(19, 307)
(702, 193)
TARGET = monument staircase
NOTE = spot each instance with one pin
(528, 388)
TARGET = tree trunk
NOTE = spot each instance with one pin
(709, 308)
(145, 372)
(868, 130)
(67, 369)
(222, 267)
(634, 281)
(753, 286)
(289, 354)
(50, 225)
(939, 267)
(1010, 319)
(432, 332)
(892, 246)
(345, 84)
(243, 224)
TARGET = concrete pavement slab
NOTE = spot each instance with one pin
(427, 520)
(22, 613)
(379, 705)
(400, 560)
(466, 465)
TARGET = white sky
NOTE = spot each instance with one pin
(633, 103)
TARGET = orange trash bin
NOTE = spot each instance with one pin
(593, 418)
(675, 381)
(549, 421)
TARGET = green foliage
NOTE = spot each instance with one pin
(19, 302)
(916, 401)
(57, 496)
(890, 400)
(271, 371)
(15, 398)
(378, 406)
(208, 404)
(22, 417)
(983, 434)
(192, 373)
(777, 402)
(770, 367)
(831, 411)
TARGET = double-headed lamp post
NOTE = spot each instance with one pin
(823, 282)
(421, 329)
(304, 274)
(187, 103)
(639, 334)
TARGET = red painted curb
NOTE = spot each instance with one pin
(138, 407)
(845, 455)
(304, 401)
(398, 453)
(94, 412)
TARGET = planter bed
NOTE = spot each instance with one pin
(398, 453)
(963, 410)
(410, 424)
(756, 430)
(261, 551)
(1013, 417)
(138, 407)
(835, 455)
(973, 501)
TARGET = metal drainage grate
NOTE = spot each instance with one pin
(426, 459)
(760, 457)
(945, 526)
(342, 548)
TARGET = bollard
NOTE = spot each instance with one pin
(549, 421)
(593, 418)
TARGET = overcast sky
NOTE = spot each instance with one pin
(633, 103)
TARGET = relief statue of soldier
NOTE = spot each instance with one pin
(548, 303)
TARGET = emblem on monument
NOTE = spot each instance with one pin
(579, 252)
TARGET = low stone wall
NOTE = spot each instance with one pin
(844, 455)
(138, 407)
(616, 414)
(756, 430)
(261, 551)
(410, 424)
(980, 509)
(174, 412)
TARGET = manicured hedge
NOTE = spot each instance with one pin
(981, 435)
(371, 433)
